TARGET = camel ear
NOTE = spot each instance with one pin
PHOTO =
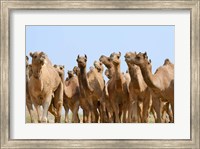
(85, 58)
(63, 66)
(149, 61)
(31, 54)
(27, 58)
(55, 66)
(77, 58)
(145, 55)
(119, 54)
(42, 53)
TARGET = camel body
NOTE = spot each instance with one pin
(161, 82)
(45, 84)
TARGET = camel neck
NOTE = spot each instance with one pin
(136, 78)
(117, 71)
(83, 82)
(83, 70)
(118, 78)
(148, 77)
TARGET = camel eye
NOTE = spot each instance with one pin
(138, 57)
(35, 56)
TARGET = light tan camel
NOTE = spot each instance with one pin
(96, 78)
(29, 103)
(118, 91)
(108, 110)
(71, 97)
(138, 92)
(161, 82)
(45, 84)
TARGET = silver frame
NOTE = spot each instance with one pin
(7, 6)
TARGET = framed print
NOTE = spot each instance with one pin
(81, 33)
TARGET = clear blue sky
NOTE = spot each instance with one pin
(62, 44)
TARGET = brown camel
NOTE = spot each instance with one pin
(29, 103)
(45, 84)
(109, 73)
(86, 90)
(83, 101)
(138, 92)
(161, 82)
(117, 89)
(91, 87)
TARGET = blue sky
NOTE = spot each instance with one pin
(62, 44)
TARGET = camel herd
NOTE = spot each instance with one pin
(125, 98)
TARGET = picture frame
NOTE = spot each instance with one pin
(8, 6)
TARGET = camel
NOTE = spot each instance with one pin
(84, 87)
(83, 101)
(107, 107)
(29, 103)
(117, 89)
(60, 70)
(95, 76)
(138, 92)
(45, 84)
(71, 97)
(161, 82)
(91, 87)
(109, 73)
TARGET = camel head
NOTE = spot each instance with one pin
(38, 60)
(106, 61)
(107, 74)
(98, 65)
(70, 74)
(76, 70)
(129, 56)
(81, 60)
(115, 58)
(60, 69)
(141, 59)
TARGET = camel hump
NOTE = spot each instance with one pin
(167, 61)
